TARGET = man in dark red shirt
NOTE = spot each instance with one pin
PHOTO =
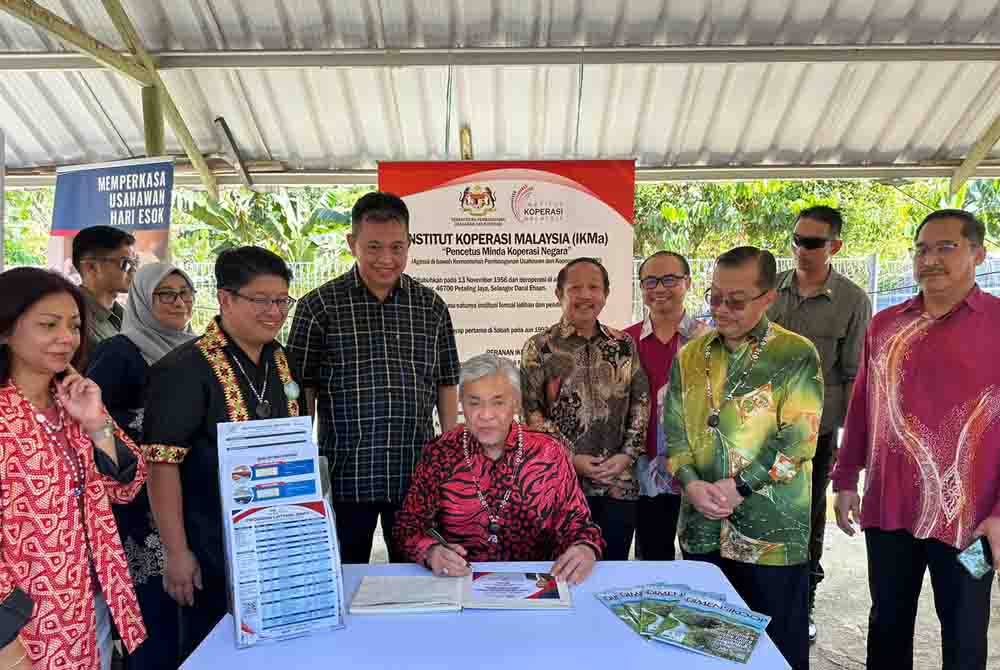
(495, 490)
(924, 421)
(665, 278)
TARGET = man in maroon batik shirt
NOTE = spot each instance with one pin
(665, 278)
(495, 490)
(924, 421)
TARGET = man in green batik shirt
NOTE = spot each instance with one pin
(741, 420)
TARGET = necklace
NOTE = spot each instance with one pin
(263, 406)
(52, 430)
(714, 412)
(494, 525)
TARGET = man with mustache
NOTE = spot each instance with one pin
(583, 382)
(924, 421)
(816, 301)
(741, 419)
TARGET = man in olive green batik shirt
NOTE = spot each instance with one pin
(741, 420)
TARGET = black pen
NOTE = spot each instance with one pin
(440, 538)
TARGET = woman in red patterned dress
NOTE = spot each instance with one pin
(495, 490)
(63, 462)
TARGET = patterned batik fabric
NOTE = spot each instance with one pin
(767, 433)
(545, 515)
(592, 394)
(924, 421)
(50, 550)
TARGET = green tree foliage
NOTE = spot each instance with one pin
(26, 233)
(300, 225)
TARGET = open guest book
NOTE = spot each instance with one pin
(480, 590)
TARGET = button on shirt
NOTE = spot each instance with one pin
(376, 366)
(925, 421)
(834, 320)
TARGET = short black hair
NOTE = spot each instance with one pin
(972, 228)
(824, 214)
(767, 268)
(379, 207)
(561, 277)
(235, 268)
(96, 240)
(672, 254)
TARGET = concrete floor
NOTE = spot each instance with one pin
(842, 610)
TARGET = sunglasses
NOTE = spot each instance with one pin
(124, 263)
(734, 304)
(803, 242)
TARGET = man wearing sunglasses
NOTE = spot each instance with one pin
(924, 424)
(665, 279)
(741, 419)
(816, 301)
(106, 260)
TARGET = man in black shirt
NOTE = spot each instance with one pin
(236, 371)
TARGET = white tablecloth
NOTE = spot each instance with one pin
(589, 636)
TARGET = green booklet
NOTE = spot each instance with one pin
(711, 626)
(624, 603)
(658, 600)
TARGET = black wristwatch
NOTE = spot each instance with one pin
(742, 487)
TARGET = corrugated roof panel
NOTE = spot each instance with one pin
(708, 114)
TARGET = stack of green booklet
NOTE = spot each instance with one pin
(695, 620)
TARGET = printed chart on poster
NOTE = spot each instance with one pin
(490, 238)
(281, 543)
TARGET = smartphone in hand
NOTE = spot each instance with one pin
(977, 559)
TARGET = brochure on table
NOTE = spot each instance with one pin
(281, 541)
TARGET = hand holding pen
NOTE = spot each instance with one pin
(446, 559)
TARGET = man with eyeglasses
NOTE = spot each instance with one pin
(583, 382)
(236, 371)
(376, 353)
(741, 419)
(924, 422)
(816, 301)
(665, 279)
(106, 260)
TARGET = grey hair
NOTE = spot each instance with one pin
(486, 365)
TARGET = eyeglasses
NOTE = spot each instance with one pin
(734, 304)
(938, 249)
(669, 281)
(166, 297)
(125, 263)
(804, 242)
(262, 304)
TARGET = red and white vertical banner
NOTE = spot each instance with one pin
(490, 238)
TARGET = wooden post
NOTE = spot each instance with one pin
(152, 121)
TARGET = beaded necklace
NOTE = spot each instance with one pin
(494, 525)
(714, 412)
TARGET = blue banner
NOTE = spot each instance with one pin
(132, 195)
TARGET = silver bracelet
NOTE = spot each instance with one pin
(105, 432)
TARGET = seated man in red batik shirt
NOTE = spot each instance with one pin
(495, 490)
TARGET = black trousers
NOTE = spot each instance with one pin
(656, 527)
(823, 462)
(617, 521)
(896, 565)
(356, 529)
(782, 593)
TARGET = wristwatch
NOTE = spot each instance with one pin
(742, 487)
